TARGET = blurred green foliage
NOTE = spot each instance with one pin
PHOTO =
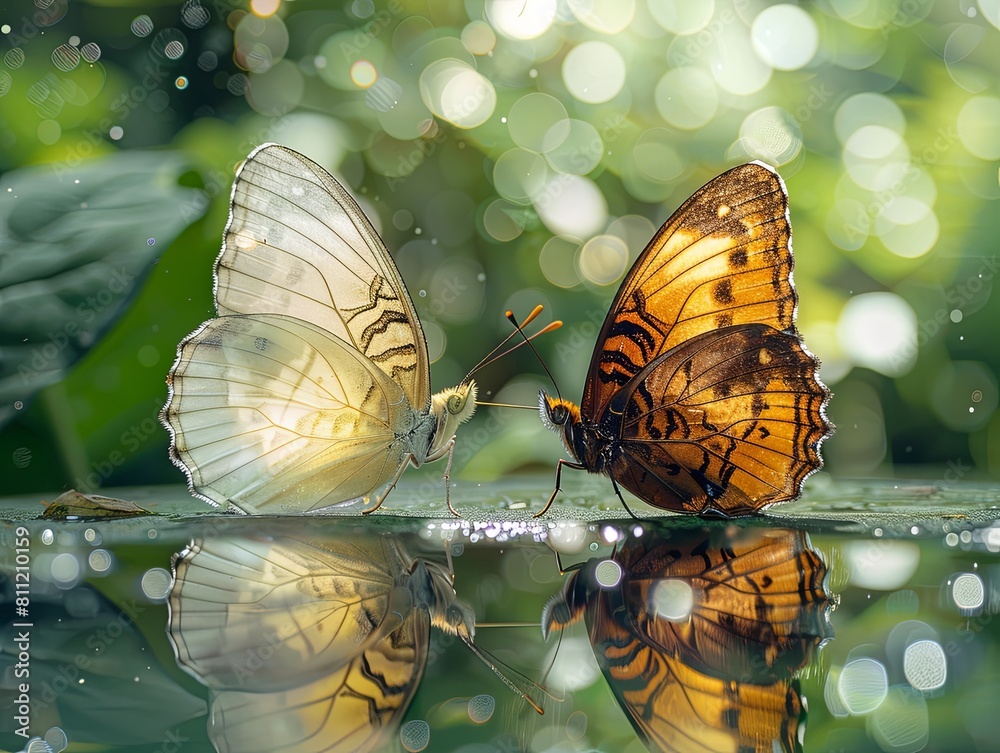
(509, 151)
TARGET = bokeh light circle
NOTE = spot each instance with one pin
(456, 92)
(925, 665)
(478, 37)
(879, 331)
(977, 127)
(573, 146)
(603, 259)
(594, 72)
(537, 120)
(519, 20)
(682, 16)
(604, 16)
(785, 37)
(142, 26)
(771, 134)
(415, 735)
(519, 174)
(673, 599)
(687, 97)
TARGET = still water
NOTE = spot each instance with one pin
(860, 619)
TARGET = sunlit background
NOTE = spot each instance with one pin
(511, 153)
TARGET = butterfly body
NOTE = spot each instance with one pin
(701, 397)
(312, 386)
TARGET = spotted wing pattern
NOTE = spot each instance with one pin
(717, 675)
(730, 420)
(722, 259)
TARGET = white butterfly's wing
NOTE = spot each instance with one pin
(252, 613)
(353, 710)
(305, 647)
(274, 414)
(298, 244)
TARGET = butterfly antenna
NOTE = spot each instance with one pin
(493, 355)
(519, 330)
(491, 661)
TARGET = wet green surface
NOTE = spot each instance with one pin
(911, 573)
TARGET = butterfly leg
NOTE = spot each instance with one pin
(559, 467)
(620, 497)
(389, 488)
(447, 477)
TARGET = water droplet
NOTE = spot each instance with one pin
(156, 583)
(415, 735)
(481, 708)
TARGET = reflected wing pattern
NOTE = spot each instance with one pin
(308, 646)
(700, 640)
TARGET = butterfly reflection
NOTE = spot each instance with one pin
(308, 646)
(699, 634)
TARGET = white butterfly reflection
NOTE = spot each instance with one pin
(308, 647)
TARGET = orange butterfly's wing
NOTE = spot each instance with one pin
(719, 678)
(730, 420)
(676, 709)
(759, 603)
(723, 258)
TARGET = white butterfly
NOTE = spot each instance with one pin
(312, 387)
(309, 646)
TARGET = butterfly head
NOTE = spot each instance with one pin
(451, 407)
(560, 416)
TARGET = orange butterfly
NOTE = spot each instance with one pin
(701, 396)
(699, 638)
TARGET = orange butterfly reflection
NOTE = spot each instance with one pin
(701, 396)
(308, 647)
(699, 634)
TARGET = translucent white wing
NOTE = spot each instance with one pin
(275, 415)
(353, 710)
(271, 615)
(298, 244)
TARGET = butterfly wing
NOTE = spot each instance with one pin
(355, 709)
(249, 613)
(758, 608)
(723, 258)
(676, 709)
(715, 679)
(298, 244)
(731, 420)
(275, 414)
(305, 647)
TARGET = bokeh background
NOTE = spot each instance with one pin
(511, 152)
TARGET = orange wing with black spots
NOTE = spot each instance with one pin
(723, 258)
(701, 639)
(731, 420)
